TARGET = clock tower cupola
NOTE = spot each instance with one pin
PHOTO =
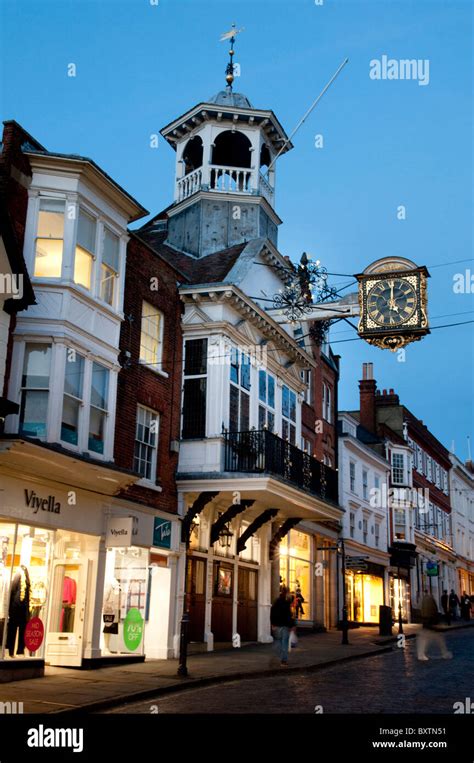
(224, 188)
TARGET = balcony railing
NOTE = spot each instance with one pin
(230, 179)
(226, 179)
(262, 451)
(189, 184)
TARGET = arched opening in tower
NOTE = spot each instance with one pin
(265, 157)
(232, 149)
(192, 154)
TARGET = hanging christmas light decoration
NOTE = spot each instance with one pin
(306, 287)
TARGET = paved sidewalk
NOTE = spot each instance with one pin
(65, 690)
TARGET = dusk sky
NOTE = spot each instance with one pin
(386, 143)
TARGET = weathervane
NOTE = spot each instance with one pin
(229, 72)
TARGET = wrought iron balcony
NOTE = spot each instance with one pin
(263, 452)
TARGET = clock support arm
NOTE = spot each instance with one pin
(346, 307)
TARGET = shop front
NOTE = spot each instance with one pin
(365, 593)
(74, 577)
(296, 567)
(400, 594)
(225, 584)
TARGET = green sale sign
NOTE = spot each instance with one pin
(133, 629)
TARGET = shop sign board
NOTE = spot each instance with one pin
(119, 532)
(162, 533)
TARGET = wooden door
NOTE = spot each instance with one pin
(247, 604)
(197, 598)
(221, 624)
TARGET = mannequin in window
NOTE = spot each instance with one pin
(111, 610)
(18, 611)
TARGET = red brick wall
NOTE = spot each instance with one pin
(138, 384)
(14, 195)
(323, 443)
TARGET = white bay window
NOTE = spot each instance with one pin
(65, 397)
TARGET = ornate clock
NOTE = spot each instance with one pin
(393, 303)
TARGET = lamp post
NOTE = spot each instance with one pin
(345, 624)
(400, 623)
(183, 630)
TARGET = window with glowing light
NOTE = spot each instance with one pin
(49, 239)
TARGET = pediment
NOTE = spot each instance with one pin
(195, 315)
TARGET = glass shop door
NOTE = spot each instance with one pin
(64, 643)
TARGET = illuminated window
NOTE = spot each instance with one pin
(85, 249)
(35, 390)
(109, 267)
(49, 239)
(151, 337)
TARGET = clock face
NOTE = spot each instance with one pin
(391, 302)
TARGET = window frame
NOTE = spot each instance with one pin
(36, 237)
(156, 365)
(352, 477)
(153, 449)
(203, 376)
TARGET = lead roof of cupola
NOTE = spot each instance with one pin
(228, 98)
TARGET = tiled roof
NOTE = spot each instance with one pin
(210, 269)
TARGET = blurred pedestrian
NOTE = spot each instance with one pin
(428, 635)
(445, 607)
(453, 604)
(282, 623)
(465, 606)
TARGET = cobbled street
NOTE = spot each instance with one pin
(387, 683)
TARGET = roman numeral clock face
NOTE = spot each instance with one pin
(391, 302)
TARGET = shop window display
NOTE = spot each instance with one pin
(399, 592)
(124, 602)
(295, 572)
(25, 557)
(364, 597)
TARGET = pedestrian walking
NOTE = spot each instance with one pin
(282, 623)
(428, 635)
(465, 606)
(445, 607)
(453, 604)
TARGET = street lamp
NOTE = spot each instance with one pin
(225, 537)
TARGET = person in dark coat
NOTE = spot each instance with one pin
(282, 623)
(445, 607)
(465, 606)
(453, 604)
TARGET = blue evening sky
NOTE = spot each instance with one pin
(386, 143)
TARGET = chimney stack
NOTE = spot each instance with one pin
(367, 387)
